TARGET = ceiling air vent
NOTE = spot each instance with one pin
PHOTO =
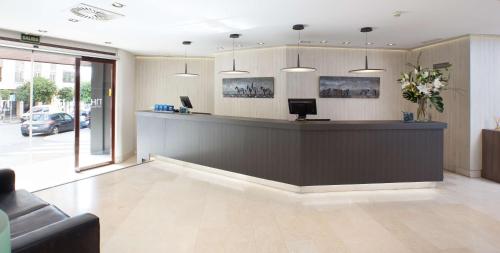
(91, 12)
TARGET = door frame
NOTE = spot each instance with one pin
(78, 61)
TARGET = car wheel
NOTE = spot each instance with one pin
(55, 130)
(25, 135)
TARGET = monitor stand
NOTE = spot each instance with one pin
(301, 117)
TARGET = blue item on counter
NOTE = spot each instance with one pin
(163, 108)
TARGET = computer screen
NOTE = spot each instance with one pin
(302, 106)
(186, 102)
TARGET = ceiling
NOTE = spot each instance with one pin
(154, 27)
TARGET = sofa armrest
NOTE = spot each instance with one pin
(7, 180)
(78, 234)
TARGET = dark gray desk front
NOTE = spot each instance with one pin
(298, 153)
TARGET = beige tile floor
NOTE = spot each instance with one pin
(161, 207)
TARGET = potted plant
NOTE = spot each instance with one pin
(423, 86)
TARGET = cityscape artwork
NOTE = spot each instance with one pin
(349, 87)
(255, 87)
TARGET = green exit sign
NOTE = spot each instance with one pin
(35, 39)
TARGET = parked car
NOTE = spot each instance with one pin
(49, 123)
(84, 119)
(38, 109)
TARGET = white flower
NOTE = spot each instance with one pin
(405, 85)
(437, 84)
(416, 71)
(425, 74)
(423, 89)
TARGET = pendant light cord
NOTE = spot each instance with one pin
(298, 51)
(234, 62)
(366, 50)
(185, 60)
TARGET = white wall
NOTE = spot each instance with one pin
(338, 62)
(261, 63)
(456, 99)
(156, 83)
(330, 62)
(484, 92)
(125, 106)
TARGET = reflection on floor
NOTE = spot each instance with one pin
(58, 171)
(47, 160)
(160, 207)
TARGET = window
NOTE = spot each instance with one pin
(38, 70)
(19, 76)
(52, 72)
(67, 117)
(68, 77)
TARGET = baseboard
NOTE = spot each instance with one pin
(294, 188)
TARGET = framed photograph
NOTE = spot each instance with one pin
(349, 87)
(255, 87)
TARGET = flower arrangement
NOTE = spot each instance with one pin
(421, 86)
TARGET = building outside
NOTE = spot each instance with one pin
(14, 73)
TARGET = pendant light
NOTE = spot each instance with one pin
(366, 30)
(298, 68)
(186, 73)
(234, 71)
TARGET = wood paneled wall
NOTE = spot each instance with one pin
(456, 99)
(266, 62)
(338, 62)
(155, 82)
(328, 61)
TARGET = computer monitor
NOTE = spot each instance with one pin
(302, 107)
(186, 102)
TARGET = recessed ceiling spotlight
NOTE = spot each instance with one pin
(42, 31)
(397, 14)
(346, 43)
(118, 5)
(324, 42)
(369, 43)
(108, 42)
(261, 43)
(391, 44)
(73, 20)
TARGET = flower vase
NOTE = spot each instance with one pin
(423, 110)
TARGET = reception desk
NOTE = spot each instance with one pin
(312, 153)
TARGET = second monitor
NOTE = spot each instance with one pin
(186, 102)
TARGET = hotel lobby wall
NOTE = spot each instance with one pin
(265, 62)
(457, 99)
(338, 62)
(484, 92)
(125, 109)
(156, 82)
(268, 62)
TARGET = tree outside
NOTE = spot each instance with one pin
(43, 91)
(86, 92)
(66, 94)
(4, 94)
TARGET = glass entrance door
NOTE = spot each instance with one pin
(95, 79)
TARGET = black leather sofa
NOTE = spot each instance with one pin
(37, 226)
